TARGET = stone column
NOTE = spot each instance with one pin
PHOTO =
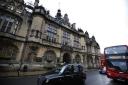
(61, 57)
(85, 61)
(20, 52)
(94, 62)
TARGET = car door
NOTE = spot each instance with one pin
(57, 80)
(67, 76)
(78, 75)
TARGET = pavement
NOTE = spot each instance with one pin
(24, 80)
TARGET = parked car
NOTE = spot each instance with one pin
(70, 74)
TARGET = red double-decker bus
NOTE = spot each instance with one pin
(117, 62)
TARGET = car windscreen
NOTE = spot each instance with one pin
(121, 65)
(57, 70)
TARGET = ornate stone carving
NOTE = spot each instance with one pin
(36, 3)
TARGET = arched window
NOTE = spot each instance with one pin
(8, 51)
(49, 56)
(66, 58)
(8, 24)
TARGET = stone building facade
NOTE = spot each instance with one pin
(31, 40)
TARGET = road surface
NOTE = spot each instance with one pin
(93, 78)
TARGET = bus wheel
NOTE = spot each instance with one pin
(115, 80)
(126, 81)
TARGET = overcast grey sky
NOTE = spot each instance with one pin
(107, 20)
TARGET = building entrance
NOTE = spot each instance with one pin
(66, 58)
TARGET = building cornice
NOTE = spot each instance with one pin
(11, 13)
(9, 35)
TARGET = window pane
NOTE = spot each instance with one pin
(9, 27)
(15, 27)
(118, 64)
(4, 26)
(116, 50)
(0, 21)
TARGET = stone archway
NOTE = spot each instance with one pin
(66, 58)
(32, 53)
(97, 62)
(90, 61)
(77, 58)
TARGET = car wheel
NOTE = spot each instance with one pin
(82, 82)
